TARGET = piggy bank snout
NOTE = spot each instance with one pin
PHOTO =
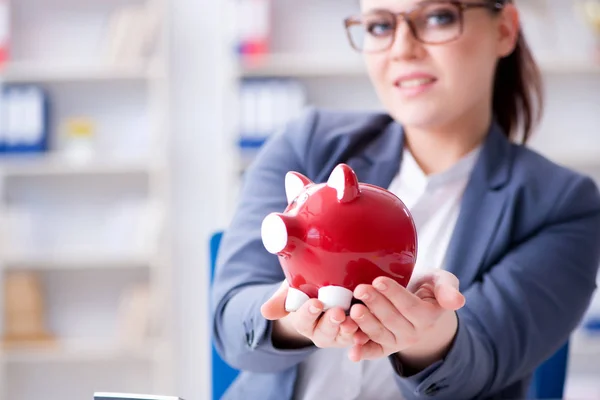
(274, 233)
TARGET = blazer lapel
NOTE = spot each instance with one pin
(482, 207)
(483, 202)
(380, 161)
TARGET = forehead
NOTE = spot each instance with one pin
(393, 5)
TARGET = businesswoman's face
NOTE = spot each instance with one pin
(435, 66)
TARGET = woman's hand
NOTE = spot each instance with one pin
(417, 323)
(308, 325)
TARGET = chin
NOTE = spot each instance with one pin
(420, 117)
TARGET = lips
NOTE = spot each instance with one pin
(414, 80)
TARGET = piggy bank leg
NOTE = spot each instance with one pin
(294, 299)
(335, 296)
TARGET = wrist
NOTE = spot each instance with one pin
(285, 336)
(432, 347)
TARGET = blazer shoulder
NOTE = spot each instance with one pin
(548, 182)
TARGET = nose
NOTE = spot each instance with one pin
(405, 45)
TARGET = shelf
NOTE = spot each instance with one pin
(37, 72)
(132, 396)
(559, 67)
(302, 65)
(73, 262)
(577, 160)
(327, 65)
(77, 351)
(34, 166)
(583, 344)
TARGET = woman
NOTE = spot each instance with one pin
(520, 233)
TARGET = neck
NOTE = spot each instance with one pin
(437, 149)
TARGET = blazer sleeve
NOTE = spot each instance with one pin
(524, 308)
(246, 274)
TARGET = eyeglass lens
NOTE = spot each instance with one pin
(435, 22)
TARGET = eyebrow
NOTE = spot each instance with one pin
(376, 9)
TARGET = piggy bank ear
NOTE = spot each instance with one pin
(295, 183)
(344, 181)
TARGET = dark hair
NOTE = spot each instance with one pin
(518, 91)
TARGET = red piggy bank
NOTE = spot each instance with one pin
(334, 236)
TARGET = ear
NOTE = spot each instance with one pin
(508, 30)
(295, 183)
(344, 181)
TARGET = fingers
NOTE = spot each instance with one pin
(360, 338)
(307, 316)
(449, 298)
(370, 325)
(382, 304)
(274, 308)
(447, 278)
(334, 329)
(348, 330)
(328, 326)
(329, 329)
(419, 279)
(417, 312)
(355, 352)
(368, 351)
(446, 289)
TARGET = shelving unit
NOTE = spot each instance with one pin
(32, 167)
(50, 263)
(82, 352)
(95, 232)
(301, 65)
(30, 72)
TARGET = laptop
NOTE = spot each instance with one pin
(131, 396)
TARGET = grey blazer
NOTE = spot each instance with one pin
(526, 249)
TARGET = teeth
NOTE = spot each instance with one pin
(415, 82)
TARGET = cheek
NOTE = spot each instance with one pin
(376, 69)
(469, 67)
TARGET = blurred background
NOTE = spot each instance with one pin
(125, 128)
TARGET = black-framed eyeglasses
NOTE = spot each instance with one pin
(430, 22)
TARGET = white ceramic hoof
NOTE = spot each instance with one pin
(335, 296)
(274, 233)
(294, 299)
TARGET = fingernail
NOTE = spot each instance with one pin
(334, 320)
(380, 285)
(360, 316)
(364, 296)
(313, 310)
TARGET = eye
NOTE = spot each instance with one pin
(379, 24)
(379, 28)
(440, 16)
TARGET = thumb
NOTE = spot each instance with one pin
(274, 308)
(446, 290)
